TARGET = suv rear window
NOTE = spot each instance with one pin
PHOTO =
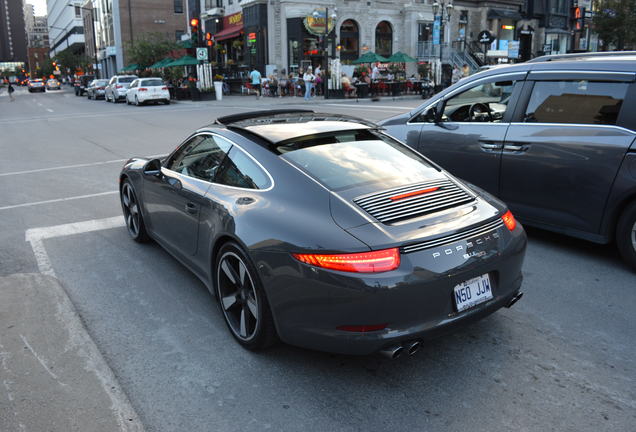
(152, 82)
(343, 160)
(126, 79)
(581, 102)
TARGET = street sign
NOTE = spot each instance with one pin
(513, 49)
(547, 48)
(202, 54)
(485, 37)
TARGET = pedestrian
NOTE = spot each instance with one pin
(10, 89)
(309, 79)
(255, 76)
(457, 75)
(465, 70)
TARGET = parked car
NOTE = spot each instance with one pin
(143, 90)
(81, 83)
(323, 231)
(36, 85)
(117, 87)
(554, 140)
(53, 84)
(96, 89)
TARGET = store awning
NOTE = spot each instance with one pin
(186, 60)
(161, 63)
(504, 14)
(228, 33)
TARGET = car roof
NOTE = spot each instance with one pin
(276, 126)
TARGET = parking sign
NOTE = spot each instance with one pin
(202, 54)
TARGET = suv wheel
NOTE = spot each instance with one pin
(626, 234)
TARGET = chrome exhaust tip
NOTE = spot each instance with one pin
(392, 352)
(412, 347)
(514, 300)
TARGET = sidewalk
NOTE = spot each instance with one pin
(52, 376)
(264, 102)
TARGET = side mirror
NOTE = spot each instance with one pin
(152, 168)
(439, 110)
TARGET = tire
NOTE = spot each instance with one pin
(243, 304)
(167, 102)
(626, 235)
(132, 213)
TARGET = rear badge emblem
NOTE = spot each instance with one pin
(464, 250)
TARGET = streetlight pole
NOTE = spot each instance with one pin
(325, 47)
(448, 7)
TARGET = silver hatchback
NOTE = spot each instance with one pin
(117, 87)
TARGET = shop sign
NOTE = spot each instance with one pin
(485, 37)
(513, 49)
(234, 20)
(316, 26)
(437, 24)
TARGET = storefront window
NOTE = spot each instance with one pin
(349, 38)
(384, 39)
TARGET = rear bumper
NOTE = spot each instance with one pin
(416, 301)
(153, 96)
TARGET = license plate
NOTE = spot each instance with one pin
(472, 292)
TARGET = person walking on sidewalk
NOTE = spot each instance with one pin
(309, 79)
(255, 76)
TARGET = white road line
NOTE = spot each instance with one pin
(394, 107)
(31, 204)
(72, 166)
(36, 236)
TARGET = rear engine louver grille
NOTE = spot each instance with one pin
(412, 201)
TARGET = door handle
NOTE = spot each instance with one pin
(490, 145)
(191, 208)
(519, 148)
(175, 183)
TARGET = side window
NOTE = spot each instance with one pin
(482, 103)
(200, 157)
(133, 84)
(239, 170)
(582, 102)
(112, 80)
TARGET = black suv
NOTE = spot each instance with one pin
(554, 138)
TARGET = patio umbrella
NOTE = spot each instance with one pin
(131, 67)
(186, 60)
(400, 57)
(161, 63)
(370, 57)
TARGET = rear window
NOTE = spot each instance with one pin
(345, 160)
(127, 79)
(152, 82)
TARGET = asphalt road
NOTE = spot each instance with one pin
(562, 359)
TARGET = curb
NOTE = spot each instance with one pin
(54, 376)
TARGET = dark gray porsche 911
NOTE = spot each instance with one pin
(322, 231)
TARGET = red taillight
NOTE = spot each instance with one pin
(509, 220)
(365, 262)
(414, 193)
(100, 88)
(119, 86)
(164, 88)
(143, 89)
(362, 328)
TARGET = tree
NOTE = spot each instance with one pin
(73, 60)
(149, 49)
(615, 22)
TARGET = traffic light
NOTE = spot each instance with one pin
(578, 18)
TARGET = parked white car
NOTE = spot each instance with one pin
(143, 90)
(117, 87)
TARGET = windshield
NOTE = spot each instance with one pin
(340, 164)
(152, 82)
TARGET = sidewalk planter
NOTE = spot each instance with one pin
(336, 94)
(195, 93)
(206, 95)
(218, 89)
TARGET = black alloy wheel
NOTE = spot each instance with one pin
(626, 234)
(242, 299)
(132, 213)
